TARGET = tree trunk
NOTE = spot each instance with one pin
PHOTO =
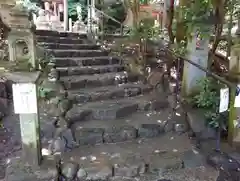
(170, 15)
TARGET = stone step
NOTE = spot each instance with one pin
(62, 40)
(97, 80)
(108, 92)
(57, 34)
(86, 61)
(137, 125)
(129, 161)
(89, 70)
(77, 53)
(69, 46)
(114, 109)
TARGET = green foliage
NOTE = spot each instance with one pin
(179, 49)
(115, 10)
(31, 5)
(208, 98)
(72, 6)
(198, 15)
(146, 30)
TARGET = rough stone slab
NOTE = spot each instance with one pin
(99, 174)
(150, 130)
(193, 159)
(118, 178)
(130, 166)
(86, 61)
(69, 46)
(77, 53)
(89, 70)
(62, 40)
(113, 111)
(119, 134)
(152, 102)
(88, 136)
(196, 121)
(69, 170)
(96, 80)
(57, 34)
(109, 92)
(159, 166)
(223, 160)
(76, 114)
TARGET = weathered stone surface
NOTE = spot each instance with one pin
(61, 40)
(180, 128)
(96, 80)
(99, 174)
(108, 92)
(88, 136)
(119, 134)
(126, 170)
(87, 61)
(67, 135)
(70, 46)
(81, 174)
(196, 122)
(193, 159)
(112, 111)
(130, 166)
(153, 105)
(160, 166)
(18, 171)
(76, 114)
(228, 166)
(89, 70)
(60, 34)
(118, 178)
(78, 53)
(57, 146)
(69, 170)
(150, 130)
(169, 126)
(222, 160)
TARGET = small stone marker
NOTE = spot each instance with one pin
(237, 98)
(25, 104)
(224, 100)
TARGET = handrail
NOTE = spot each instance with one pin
(106, 15)
(110, 17)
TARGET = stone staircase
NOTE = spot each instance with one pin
(111, 106)
(105, 96)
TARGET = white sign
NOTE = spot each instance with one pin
(237, 99)
(224, 100)
(24, 98)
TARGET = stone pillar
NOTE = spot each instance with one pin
(55, 8)
(198, 53)
(21, 29)
(26, 105)
(47, 6)
(70, 24)
(65, 4)
(34, 18)
(238, 29)
(234, 113)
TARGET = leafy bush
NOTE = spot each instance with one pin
(208, 97)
